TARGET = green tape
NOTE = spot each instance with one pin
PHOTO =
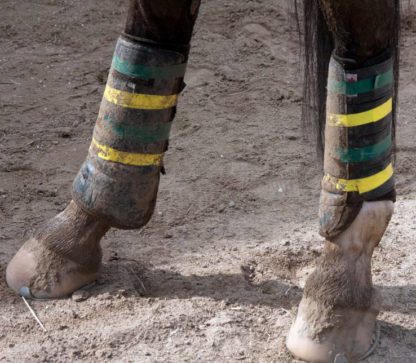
(146, 134)
(367, 153)
(363, 86)
(145, 72)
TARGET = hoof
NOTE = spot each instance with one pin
(337, 316)
(38, 273)
(63, 256)
(352, 338)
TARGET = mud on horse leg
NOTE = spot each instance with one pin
(337, 315)
(117, 184)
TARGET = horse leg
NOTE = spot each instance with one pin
(117, 184)
(337, 315)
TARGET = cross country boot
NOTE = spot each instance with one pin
(336, 321)
(119, 180)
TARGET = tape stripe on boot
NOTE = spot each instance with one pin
(363, 185)
(362, 118)
(139, 101)
(107, 153)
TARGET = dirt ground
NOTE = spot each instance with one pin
(217, 274)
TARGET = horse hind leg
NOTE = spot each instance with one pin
(337, 315)
(338, 311)
(117, 184)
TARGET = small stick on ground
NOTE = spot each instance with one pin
(138, 279)
(34, 314)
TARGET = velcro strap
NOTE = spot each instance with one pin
(361, 84)
(138, 60)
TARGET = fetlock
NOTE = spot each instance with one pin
(119, 180)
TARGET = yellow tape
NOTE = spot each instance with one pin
(363, 185)
(110, 154)
(362, 118)
(139, 101)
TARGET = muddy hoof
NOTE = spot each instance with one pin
(336, 320)
(351, 339)
(63, 256)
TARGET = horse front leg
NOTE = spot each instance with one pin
(118, 182)
(337, 316)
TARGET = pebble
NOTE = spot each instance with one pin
(261, 320)
(220, 320)
(291, 137)
(64, 132)
(80, 295)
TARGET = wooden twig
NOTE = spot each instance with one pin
(138, 279)
(34, 314)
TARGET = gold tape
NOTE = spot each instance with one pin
(363, 185)
(139, 101)
(122, 157)
(362, 118)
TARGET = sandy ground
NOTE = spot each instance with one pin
(218, 273)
